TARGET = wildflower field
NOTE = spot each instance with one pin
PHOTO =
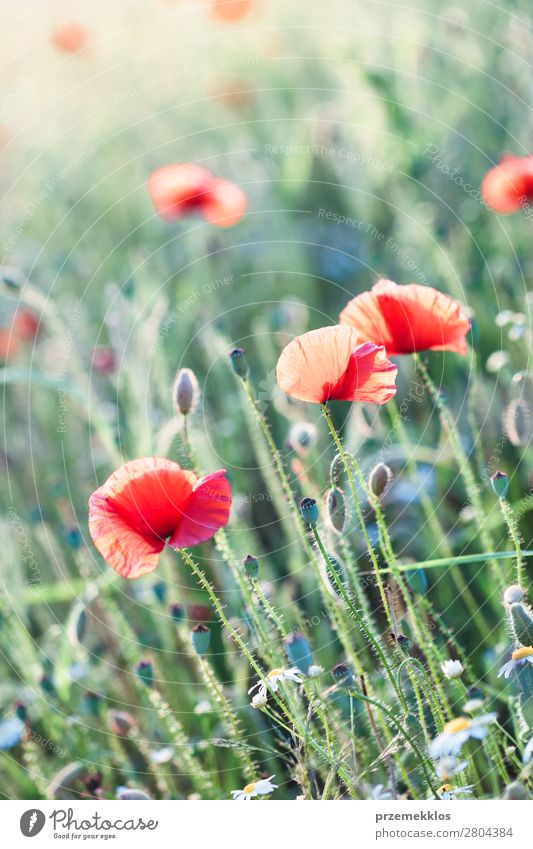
(266, 505)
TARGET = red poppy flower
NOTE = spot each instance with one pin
(405, 319)
(22, 329)
(329, 364)
(508, 185)
(70, 37)
(230, 10)
(188, 189)
(149, 502)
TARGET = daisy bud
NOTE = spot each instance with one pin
(522, 624)
(379, 480)
(343, 674)
(259, 701)
(186, 391)
(513, 594)
(238, 361)
(336, 509)
(251, 566)
(314, 671)
(500, 484)
(299, 652)
(177, 612)
(309, 511)
(516, 790)
(452, 668)
(145, 672)
(201, 639)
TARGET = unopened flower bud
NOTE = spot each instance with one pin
(314, 671)
(343, 674)
(513, 594)
(201, 639)
(500, 484)
(302, 436)
(251, 566)
(299, 652)
(120, 722)
(177, 612)
(186, 391)
(145, 672)
(380, 479)
(21, 711)
(309, 511)
(336, 508)
(238, 361)
(259, 701)
(159, 589)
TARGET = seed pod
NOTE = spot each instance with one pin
(201, 639)
(343, 674)
(159, 589)
(380, 480)
(517, 422)
(522, 624)
(145, 671)
(336, 509)
(500, 484)
(309, 511)
(177, 612)
(186, 391)
(299, 652)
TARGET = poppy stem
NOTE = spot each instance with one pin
(512, 526)
(357, 505)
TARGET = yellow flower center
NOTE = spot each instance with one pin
(250, 787)
(445, 788)
(274, 673)
(456, 725)
(525, 651)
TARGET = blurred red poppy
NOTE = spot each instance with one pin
(189, 189)
(329, 364)
(509, 185)
(70, 37)
(230, 10)
(22, 328)
(152, 501)
(406, 319)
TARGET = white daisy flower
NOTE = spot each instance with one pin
(447, 792)
(378, 793)
(452, 668)
(446, 768)
(528, 752)
(273, 678)
(257, 788)
(519, 657)
(473, 705)
(457, 732)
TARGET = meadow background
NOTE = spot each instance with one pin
(360, 134)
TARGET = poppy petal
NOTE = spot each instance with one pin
(178, 189)
(329, 364)
(405, 319)
(225, 204)
(207, 510)
(509, 184)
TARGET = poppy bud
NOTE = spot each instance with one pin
(186, 391)
(145, 672)
(201, 639)
(309, 511)
(251, 566)
(299, 652)
(120, 722)
(517, 422)
(343, 674)
(177, 612)
(336, 509)
(159, 589)
(417, 580)
(238, 361)
(48, 685)
(379, 480)
(500, 484)
(522, 624)
(92, 702)
(302, 436)
(21, 711)
(336, 470)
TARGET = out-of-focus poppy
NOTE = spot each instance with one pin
(22, 328)
(152, 501)
(330, 364)
(70, 37)
(407, 319)
(509, 185)
(230, 10)
(104, 360)
(189, 189)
